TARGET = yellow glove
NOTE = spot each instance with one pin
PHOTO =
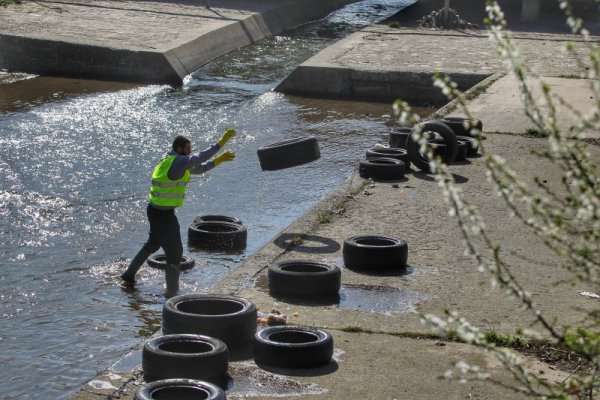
(229, 133)
(226, 156)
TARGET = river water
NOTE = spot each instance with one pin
(75, 159)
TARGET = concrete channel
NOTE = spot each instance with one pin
(385, 353)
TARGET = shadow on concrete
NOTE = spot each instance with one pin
(402, 271)
(323, 245)
(329, 300)
(326, 369)
(428, 177)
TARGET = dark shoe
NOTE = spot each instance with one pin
(134, 266)
(128, 281)
(172, 280)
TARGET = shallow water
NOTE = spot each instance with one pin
(75, 159)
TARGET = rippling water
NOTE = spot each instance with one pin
(75, 159)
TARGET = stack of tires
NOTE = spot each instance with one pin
(453, 139)
(201, 333)
(217, 233)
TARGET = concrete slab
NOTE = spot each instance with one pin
(503, 99)
(395, 367)
(383, 64)
(140, 41)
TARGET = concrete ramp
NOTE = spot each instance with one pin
(140, 41)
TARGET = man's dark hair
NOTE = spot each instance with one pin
(180, 141)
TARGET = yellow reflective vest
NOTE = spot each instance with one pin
(165, 192)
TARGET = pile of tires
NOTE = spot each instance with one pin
(159, 261)
(304, 279)
(292, 347)
(288, 153)
(180, 389)
(374, 252)
(217, 233)
(185, 356)
(228, 318)
(431, 129)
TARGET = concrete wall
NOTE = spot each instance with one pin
(381, 86)
(21, 53)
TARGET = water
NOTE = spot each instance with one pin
(75, 159)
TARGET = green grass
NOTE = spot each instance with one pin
(534, 132)
(4, 3)
(324, 217)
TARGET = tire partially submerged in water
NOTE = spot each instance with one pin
(216, 235)
(292, 347)
(288, 153)
(185, 356)
(373, 252)
(218, 218)
(304, 278)
(228, 318)
(160, 261)
(180, 389)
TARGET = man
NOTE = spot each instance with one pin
(167, 192)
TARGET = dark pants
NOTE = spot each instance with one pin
(164, 232)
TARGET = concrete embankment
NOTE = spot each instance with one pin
(382, 350)
(140, 41)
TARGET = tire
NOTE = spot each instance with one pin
(420, 160)
(457, 125)
(289, 153)
(388, 152)
(228, 318)
(160, 261)
(218, 218)
(439, 148)
(216, 235)
(179, 389)
(472, 145)
(292, 347)
(398, 138)
(381, 168)
(185, 356)
(366, 252)
(302, 278)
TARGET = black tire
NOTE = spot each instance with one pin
(160, 261)
(458, 127)
(289, 153)
(381, 168)
(369, 252)
(439, 148)
(228, 318)
(472, 145)
(420, 160)
(220, 236)
(218, 218)
(388, 152)
(179, 389)
(302, 278)
(292, 347)
(398, 138)
(185, 356)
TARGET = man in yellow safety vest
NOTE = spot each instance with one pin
(167, 192)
